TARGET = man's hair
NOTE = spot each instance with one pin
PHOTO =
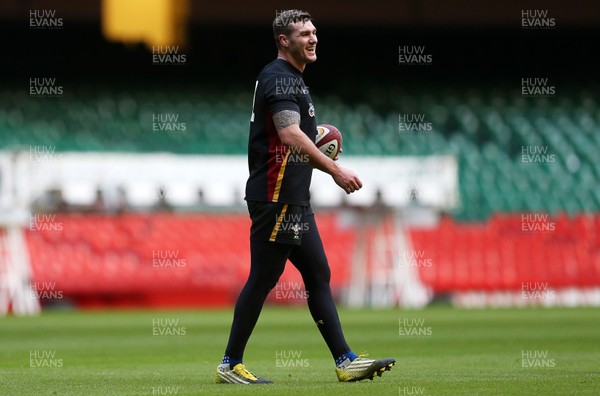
(282, 24)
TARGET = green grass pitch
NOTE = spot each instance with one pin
(439, 351)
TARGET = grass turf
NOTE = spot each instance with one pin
(439, 351)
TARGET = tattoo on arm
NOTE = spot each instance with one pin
(285, 118)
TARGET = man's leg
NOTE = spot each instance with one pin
(267, 264)
(311, 261)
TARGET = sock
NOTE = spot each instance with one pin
(230, 361)
(344, 360)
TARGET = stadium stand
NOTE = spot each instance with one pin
(480, 245)
(164, 259)
(159, 259)
(501, 253)
(489, 132)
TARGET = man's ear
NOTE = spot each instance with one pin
(283, 40)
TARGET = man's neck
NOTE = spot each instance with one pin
(291, 61)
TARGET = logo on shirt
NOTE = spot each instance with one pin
(311, 110)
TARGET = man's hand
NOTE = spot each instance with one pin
(347, 180)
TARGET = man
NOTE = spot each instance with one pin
(281, 156)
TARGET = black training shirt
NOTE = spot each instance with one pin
(278, 173)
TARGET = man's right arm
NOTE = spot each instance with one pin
(287, 123)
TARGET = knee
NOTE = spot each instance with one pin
(270, 286)
(262, 286)
(319, 279)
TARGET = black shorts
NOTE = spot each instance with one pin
(280, 222)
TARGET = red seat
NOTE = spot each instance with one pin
(96, 254)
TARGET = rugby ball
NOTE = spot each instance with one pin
(328, 140)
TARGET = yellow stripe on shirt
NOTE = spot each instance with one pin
(280, 178)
